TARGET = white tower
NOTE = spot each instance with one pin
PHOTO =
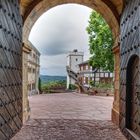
(73, 59)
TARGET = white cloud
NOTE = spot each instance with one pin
(59, 30)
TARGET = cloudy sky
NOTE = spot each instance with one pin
(58, 31)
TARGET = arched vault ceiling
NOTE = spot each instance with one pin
(31, 10)
(28, 5)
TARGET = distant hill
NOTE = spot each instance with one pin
(48, 78)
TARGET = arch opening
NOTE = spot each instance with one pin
(110, 10)
(109, 75)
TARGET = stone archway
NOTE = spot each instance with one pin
(11, 49)
(110, 10)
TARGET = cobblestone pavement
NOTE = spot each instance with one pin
(70, 116)
(71, 106)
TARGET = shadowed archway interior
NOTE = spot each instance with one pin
(122, 17)
(110, 10)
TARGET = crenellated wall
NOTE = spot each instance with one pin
(10, 69)
(130, 70)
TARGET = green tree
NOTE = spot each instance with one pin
(39, 85)
(100, 42)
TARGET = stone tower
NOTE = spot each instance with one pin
(73, 59)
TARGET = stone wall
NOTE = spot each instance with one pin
(32, 10)
(116, 105)
(25, 101)
(10, 68)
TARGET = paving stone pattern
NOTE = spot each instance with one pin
(70, 116)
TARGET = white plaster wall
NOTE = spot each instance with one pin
(73, 59)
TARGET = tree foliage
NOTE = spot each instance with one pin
(39, 84)
(100, 42)
(54, 85)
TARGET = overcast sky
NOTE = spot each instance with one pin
(58, 31)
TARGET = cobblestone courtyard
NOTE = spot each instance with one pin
(70, 116)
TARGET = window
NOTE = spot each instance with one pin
(29, 87)
(33, 55)
(33, 86)
(33, 70)
(101, 74)
(84, 67)
(111, 74)
(86, 80)
(106, 74)
(29, 69)
(97, 75)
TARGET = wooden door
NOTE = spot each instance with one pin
(135, 98)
